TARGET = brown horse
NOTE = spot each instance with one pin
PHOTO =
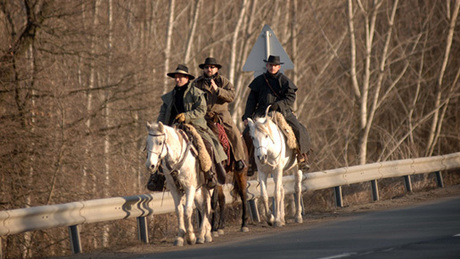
(239, 180)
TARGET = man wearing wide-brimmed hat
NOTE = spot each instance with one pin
(187, 104)
(219, 92)
(276, 89)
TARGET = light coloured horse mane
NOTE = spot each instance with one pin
(262, 125)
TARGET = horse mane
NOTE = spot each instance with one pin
(282, 125)
(260, 123)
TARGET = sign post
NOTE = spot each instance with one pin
(266, 44)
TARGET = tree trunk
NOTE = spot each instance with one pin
(437, 120)
(169, 31)
(191, 35)
(240, 89)
(234, 44)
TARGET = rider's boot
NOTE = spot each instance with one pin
(302, 161)
(210, 179)
(221, 174)
(239, 165)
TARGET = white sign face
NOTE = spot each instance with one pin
(267, 44)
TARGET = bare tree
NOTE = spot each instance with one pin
(436, 123)
(167, 50)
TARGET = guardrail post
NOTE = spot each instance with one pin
(439, 179)
(253, 210)
(143, 232)
(75, 242)
(375, 190)
(408, 182)
(338, 196)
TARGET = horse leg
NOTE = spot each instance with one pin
(279, 195)
(240, 183)
(214, 203)
(282, 208)
(263, 193)
(207, 211)
(298, 197)
(189, 233)
(203, 203)
(221, 201)
(179, 241)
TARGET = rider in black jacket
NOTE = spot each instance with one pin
(276, 89)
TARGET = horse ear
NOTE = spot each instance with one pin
(161, 128)
(266, 111)
(250, 122)
(149, 126)
(251, 126)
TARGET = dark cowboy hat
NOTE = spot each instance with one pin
(274, 60)
(181, 69)
(210, 61)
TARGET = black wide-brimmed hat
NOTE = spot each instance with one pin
(210, 62)
(274, 60)
(183, 70)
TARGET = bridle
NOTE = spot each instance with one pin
(279, 154)
(162, 147)
(164, 160)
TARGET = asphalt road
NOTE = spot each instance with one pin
(428, 231)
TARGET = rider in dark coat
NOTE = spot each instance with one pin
(219, 92)
(276, 89)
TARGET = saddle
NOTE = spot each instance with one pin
(280, 121)
(203, 155)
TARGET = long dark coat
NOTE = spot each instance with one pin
(283, 95)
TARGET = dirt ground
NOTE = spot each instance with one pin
(232, 233)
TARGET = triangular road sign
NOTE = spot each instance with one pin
(267, 44)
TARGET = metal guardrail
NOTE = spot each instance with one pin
(139, 206)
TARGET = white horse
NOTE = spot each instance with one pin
(273, 156)
(166, 146)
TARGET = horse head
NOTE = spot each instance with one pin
(156, 145)
(262, 137)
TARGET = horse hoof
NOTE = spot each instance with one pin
(278, 224)
(215, 234)
(179, 242)
(191, 240)
(298, 220)
(271, 220)
(244, 229)
(200, 241)
(208, 238)
(220, 232)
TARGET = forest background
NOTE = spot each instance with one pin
(378, 80)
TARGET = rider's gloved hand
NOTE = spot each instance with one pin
(180, 117)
